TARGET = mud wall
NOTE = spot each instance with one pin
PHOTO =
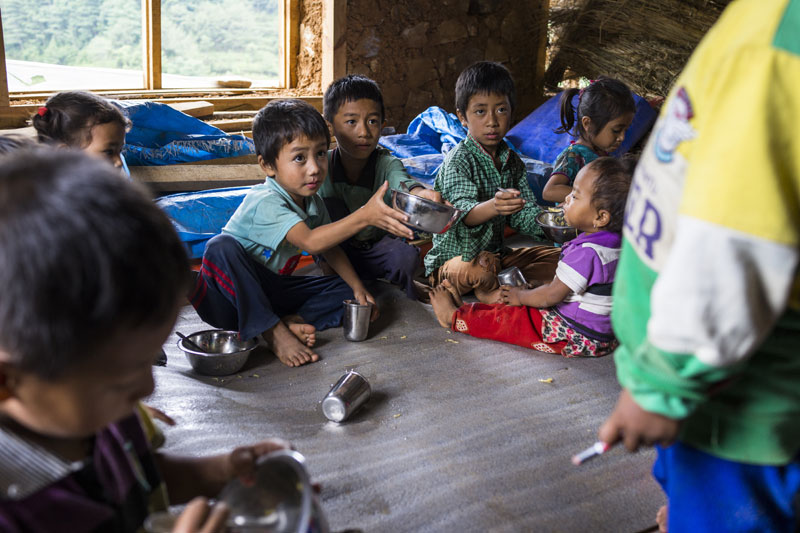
(416, 49)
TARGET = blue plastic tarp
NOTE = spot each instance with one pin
(161, 135)
(198, 216)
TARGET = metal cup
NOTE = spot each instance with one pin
(349, 393)
(512, 276)
(355, 323)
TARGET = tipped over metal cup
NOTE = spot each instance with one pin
(348, 394)
(511, 276)
(355, 322)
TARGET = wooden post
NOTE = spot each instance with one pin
(334, 40)
(151, 43)
(4, 100)
(289, 14)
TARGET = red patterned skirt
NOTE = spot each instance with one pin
(530, 327)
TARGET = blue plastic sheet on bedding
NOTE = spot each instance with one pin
(535, 136)
(198, 216)
(161, 135)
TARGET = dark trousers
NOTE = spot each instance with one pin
(235, 292)
(390, 258)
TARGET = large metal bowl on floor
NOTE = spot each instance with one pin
(424, 214)
(554, 227)
(224, 353)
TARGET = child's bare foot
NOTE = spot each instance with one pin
(423, 292)
(443, 305)
(306, 333)
(287, 347)
(453, 292)
(661, 519)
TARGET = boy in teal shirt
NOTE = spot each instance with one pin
(246, 282)
(357, 168)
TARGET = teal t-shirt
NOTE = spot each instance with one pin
(264, 218)
(573, 158)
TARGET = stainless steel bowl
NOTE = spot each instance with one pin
(225, 352)
(554, 227)
(424, 214)
(279, 498)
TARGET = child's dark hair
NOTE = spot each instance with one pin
(83, 254)
(602, 101)
(282, 121)
(349, 89)
(68, 117)
(610, 191)
(484, 77)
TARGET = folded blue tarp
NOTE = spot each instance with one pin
(161, 135)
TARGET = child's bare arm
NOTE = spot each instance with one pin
(424, 192)
(544, 296)
(339, 262)
(374, 213)
(188, 477)
(503, 203)
(557, 188)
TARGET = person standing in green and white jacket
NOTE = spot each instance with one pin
(706, 305)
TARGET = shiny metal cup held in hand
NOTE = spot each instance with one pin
(279, 498)
(554, 226)
(224, 353)
(511, 276)
(424, 214)
(355, 322)
(349, 393)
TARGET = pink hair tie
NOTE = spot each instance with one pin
(42, 111)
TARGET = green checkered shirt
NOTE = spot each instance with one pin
(468, 177)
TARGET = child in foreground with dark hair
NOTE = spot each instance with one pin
(571, 315)
(92, 276)
(85, 121)
(605, 111)
(487, 181)
(246, 283)
(357, 168)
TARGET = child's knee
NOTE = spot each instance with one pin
(222, 245)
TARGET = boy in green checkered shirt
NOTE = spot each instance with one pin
(486, 180)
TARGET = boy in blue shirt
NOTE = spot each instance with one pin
(92, 276)
(357, 168)
(246, 283)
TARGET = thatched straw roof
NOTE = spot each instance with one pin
(644, 43)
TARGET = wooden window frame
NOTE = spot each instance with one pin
(289, 39)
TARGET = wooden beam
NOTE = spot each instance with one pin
(334, 41)
(151, 43)
(289, 13)
(196, 177)
(4, 101)
(200, 108)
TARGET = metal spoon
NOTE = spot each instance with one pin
(190, 342)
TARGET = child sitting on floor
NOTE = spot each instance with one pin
(487, 181)
(83, 120)
(245, 282)
(605, 111)
(571, 314)
(357, 167)
(92, 276)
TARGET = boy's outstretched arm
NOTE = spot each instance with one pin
(544, 296)
(339, 262)
(374, 213)
(188, 477)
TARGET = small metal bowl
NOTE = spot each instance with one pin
(554, 227)
(225, 352)
(424, 214)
